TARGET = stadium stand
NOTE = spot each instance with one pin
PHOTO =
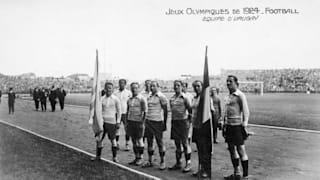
(274, 80)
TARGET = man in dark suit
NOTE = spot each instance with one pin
(36, 97)
(52, 98)
(61, 93)
(0, 96)
(43, 99)
(11, 100)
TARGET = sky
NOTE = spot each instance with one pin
(137, 40)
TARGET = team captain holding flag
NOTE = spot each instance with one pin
(95, 114)
(202, 109)
(105, 114)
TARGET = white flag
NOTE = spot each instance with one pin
(95, 117)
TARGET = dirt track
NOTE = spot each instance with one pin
(274, 154)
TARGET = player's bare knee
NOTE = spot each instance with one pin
(242, 151)
(140, 142)
(184, 144)
(150, 145)
(114, 143)
(233, 152)
(161, 146)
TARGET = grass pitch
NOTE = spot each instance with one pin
(273, 154)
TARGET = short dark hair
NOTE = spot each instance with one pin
(197, 81)
(234, 78)
(133, 83)
(125, 81)
(148, 80)
(108, 83)
(178, 81)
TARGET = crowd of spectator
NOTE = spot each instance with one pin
(274, 80)
(279, 80)
(26, 85)
(271, 80)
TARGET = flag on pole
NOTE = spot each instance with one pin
(204, 111)
(204, 107)
(95, 116)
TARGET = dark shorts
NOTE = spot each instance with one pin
(135, 129)
(235, 134)
(109, 129)
(180, 129)
(154, 129)
(203, 132)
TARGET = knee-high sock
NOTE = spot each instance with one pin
(235, 163)
(140, 150)
(127, 139)
(162, 156)
(245, 166)
(187, 157)
(178, 157)
(150, 153)
(135, 150)
(114, 151)
(99, 150)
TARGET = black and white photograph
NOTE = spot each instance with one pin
(150, 89)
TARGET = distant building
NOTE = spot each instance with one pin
(79, 77)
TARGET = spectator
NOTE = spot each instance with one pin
(61, 93)
(36, 97)
(11, 100)
(217, 113)
(52, 98)
(43, 99)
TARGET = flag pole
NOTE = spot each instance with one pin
(211, 125)
(205, 104)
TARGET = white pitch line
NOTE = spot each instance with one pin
(80, 150)
(253, 125)
(285, 128)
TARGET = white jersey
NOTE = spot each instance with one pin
(123, 96)
(111, 109)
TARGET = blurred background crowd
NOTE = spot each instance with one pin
(274, 80)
